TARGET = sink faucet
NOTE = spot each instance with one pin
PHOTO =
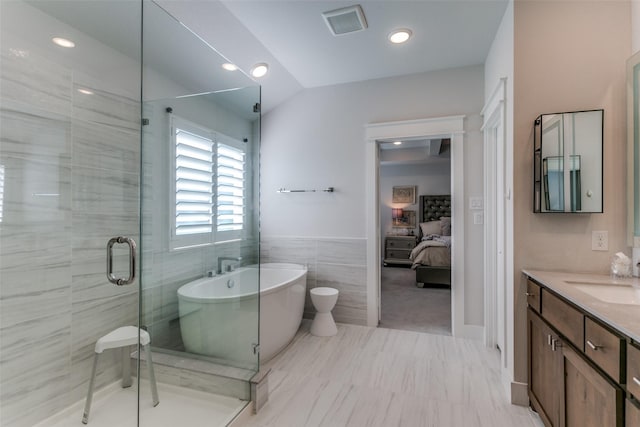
(222, 259)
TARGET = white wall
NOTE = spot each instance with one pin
(316, 140)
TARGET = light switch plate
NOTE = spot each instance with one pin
(475, 203)
(478, 218)
(599, 241)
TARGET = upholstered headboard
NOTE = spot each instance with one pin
(433, 207)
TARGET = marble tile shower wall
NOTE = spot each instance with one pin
(337, 263)
(70, 166)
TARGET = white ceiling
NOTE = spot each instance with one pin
(292, 37)
(446, 34)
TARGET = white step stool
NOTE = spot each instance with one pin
(122, 338)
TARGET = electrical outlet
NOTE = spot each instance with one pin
(599, 241)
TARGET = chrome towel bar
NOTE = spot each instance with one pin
(326, 190)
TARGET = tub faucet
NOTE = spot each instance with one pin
(222, 259)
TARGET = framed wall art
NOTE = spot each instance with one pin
(404, 194)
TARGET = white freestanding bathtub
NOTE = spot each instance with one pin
(218, 315)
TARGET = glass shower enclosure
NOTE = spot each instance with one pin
(117, 121)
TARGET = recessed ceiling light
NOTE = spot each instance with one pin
(397, 142)
(63, 42)
(259, 70)
(85, 91)
(229, 66)
(400, 36)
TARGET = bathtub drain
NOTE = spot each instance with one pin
(230, 283)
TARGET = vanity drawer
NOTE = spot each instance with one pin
(605, 348)
(566, 319)
(633, 371)
(533, 295)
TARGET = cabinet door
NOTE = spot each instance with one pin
(590, 399)
(633, 415)
(545, 371)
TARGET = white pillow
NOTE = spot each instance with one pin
(446, 225)
(431, 227)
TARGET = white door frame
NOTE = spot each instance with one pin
(495, 228)
(443, 127)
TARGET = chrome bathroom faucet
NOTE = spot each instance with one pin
(229, 267)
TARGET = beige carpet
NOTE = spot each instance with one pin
(407, 307)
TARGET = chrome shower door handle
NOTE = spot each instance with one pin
(132, 261)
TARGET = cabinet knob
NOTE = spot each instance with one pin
(529, 294)
(555, 344)
(593, 346)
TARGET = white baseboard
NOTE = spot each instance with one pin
(472, 332)
(519, 394)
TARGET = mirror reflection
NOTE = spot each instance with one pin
(633, 149)
(568, 162)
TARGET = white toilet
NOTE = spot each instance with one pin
(324, 299)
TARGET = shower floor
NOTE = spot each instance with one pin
(114, 406)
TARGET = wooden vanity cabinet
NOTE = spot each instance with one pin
(533, 295)
(632, 414)
(633, 371)
(566, 387)
(545, 370)
(591, 400)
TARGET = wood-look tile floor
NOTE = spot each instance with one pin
(383, 377)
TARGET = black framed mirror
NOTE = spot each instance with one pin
(568, 163)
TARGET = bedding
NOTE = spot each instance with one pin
(431, 259)
(434, 251)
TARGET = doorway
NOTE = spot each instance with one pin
(421, 167)
(445, 127)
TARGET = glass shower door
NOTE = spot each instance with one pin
(87, 167)
(69, 182)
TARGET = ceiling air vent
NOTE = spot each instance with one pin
(346, 20)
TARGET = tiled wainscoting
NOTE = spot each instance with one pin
(332, 262)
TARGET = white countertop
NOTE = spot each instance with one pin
(623, 317)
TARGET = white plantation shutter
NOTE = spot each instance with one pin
(231, 188)
(208, 203)
(194, 183)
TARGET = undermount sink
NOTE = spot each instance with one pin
(607, 292)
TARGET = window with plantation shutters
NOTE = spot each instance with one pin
(208, 203)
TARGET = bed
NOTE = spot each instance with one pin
(432, 256)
